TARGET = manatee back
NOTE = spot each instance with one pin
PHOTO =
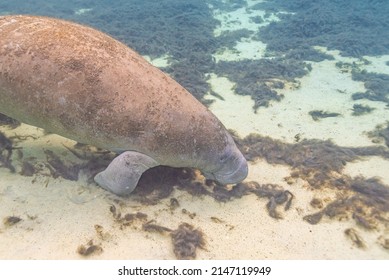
(80, 83)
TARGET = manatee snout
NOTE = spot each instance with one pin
(232, 168)
(234, 172)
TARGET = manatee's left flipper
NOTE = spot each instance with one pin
(123, 173)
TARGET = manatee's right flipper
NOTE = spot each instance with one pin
(123, 173)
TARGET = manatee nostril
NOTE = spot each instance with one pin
(223, 158)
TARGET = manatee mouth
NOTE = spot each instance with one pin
(235, 176)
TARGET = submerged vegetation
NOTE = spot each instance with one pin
(377, 86)
(366, 201)
(319, 114)
(380, 133)
(356, 29)
(9, 122)
(359, 109)
(185, 241)
(11, 220)
(6, 148)
(89, 249)
(320, 164)
(260, 78)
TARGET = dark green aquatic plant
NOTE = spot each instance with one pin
(7, 121)
(356, 28)
(6, 148)
(320, 114)
(380, 133)
(306, 53)
(359, 109)
(377, 85)
(257, 19)
(260, 78)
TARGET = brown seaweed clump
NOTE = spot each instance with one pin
(59, 168)
(380, 133)
(319, 114)
(7, 121)
(89, 249)
(151, 226)
(376, 84)
(126, 219)
(359, 109)
(11, 220)
(6, 152)
(28, 169)
(276, 194)
(355, 238)
(318, 162)
(186, 240)
(366, 201)
(384, 242)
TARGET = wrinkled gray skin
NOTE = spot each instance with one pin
(82, 84)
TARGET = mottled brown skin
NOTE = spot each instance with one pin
(82, 84)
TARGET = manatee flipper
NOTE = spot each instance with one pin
(123, 173)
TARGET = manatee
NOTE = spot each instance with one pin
(80, 83)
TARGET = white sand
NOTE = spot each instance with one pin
(241, 18)
(59, 215)
(82, 11)
(160, 62)
(247, 48)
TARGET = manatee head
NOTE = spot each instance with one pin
(228, 166)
